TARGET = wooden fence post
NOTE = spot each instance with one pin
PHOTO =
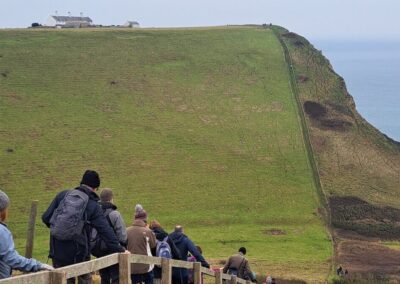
(197, 273)
(233, 279)
(31, 230)
(218, 277)
(166, 271)
(124, 260)
(57, 277)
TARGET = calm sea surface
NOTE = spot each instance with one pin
(371, 70)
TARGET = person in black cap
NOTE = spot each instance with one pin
(69, 243)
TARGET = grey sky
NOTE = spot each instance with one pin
(314, 19)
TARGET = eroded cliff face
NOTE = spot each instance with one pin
(359, 167)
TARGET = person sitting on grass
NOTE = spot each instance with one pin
(9, 257)
(238, 265)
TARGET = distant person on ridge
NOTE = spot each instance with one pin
(109, 275)
(184, 245)
(9, 257)
(68, 217)
(238, 265)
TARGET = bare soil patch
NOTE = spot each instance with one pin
(13, 96)
(319, 114)
(302, 78)
(314, 110)
(354, 214)
(335, 124)
(368, 258)
(274, 232)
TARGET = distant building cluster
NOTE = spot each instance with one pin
(69, 22)
(79, 22)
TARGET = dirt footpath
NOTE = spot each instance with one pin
(368, 259)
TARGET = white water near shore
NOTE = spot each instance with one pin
(371, 69)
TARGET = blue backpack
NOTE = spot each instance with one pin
(163, 249)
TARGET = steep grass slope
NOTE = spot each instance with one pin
(359, 167)
(198, 125)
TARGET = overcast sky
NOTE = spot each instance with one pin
(315, 19)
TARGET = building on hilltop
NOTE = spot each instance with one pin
(131, 24)
(69, 21)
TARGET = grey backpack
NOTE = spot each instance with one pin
(68, 220)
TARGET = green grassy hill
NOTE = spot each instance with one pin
(198, 125)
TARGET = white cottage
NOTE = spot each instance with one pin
(132, 24)
(69, 21)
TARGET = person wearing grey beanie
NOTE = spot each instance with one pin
(9, 257)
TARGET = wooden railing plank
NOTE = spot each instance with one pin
(60, 275)
(226, 276)
(124, 268)
(89, 266)
(166, 269)
(145, 259)
(182, 264)
(208, 271)
(32, 278)
(218, 277)
(197, 273)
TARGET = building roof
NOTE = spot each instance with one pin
(72, 19)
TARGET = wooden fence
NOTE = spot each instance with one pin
(60, 275)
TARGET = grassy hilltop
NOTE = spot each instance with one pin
(198, 125)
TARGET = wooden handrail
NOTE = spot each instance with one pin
(59, 275)
(89, 266)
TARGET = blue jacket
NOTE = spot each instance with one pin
(185, 245)
(9, 257)
(70, 252)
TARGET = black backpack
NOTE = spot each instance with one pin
(69, 219)
(98, 247)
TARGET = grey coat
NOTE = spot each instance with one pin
(117, 222)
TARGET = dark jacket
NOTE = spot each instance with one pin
(69, 252)
(185, 245)
(161, 234)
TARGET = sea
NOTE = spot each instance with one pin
(371, 69)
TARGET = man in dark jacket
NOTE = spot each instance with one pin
(184, 245)
(110, 275)
(67, 252)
